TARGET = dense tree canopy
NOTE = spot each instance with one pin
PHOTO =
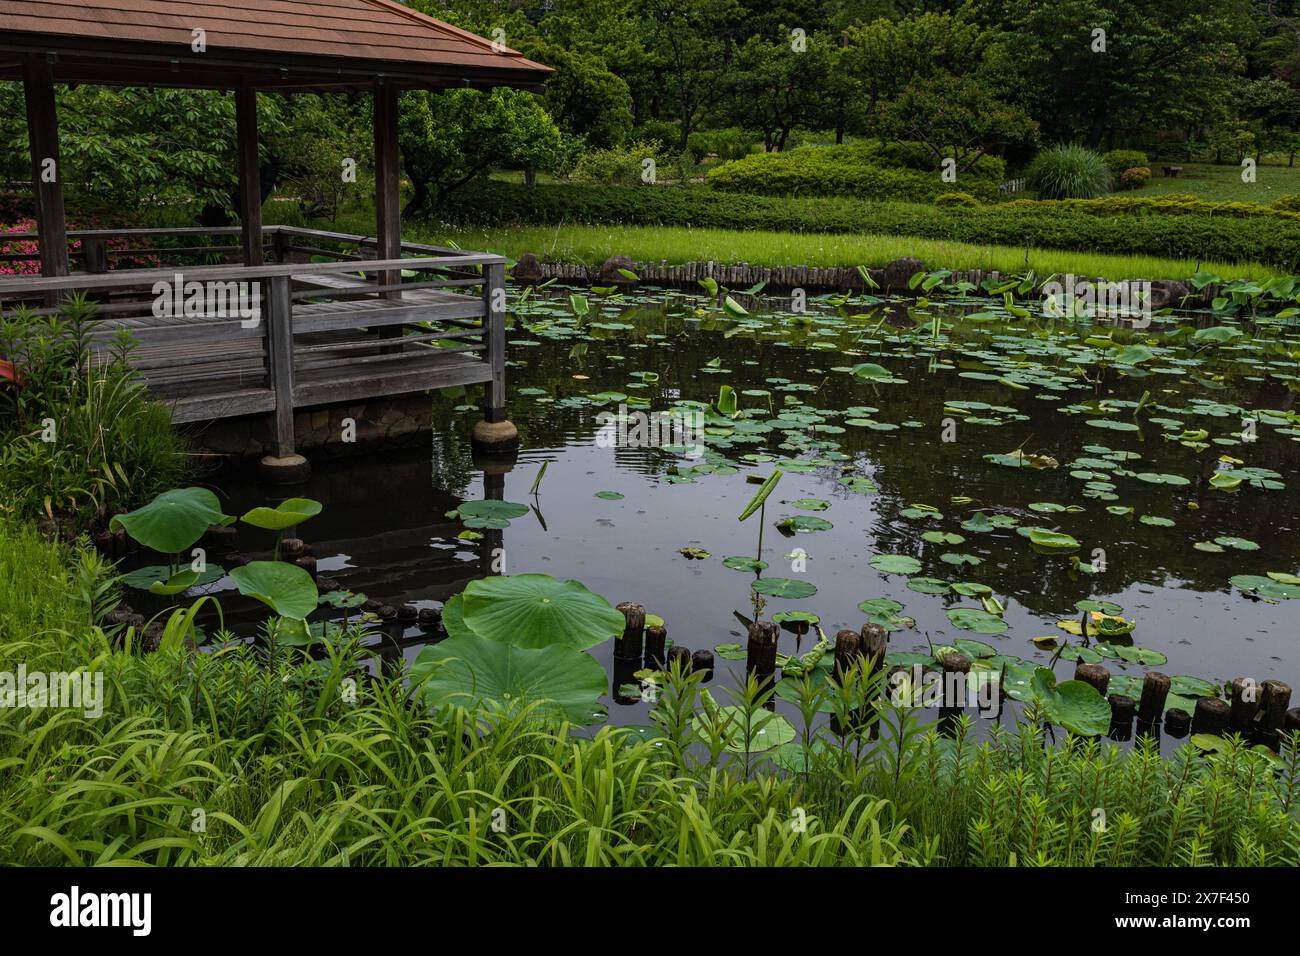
(964, 78)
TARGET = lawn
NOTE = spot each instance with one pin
(1223, 182)
(594, 244)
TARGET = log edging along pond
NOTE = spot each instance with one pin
(741, 275)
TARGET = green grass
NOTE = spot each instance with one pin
(594, 244)
(1222, 182)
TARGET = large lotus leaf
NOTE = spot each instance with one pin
(976, 619)
(285, 588)
(1074, 705)
(1266, 587)
(895, 564)
(469, 672)
(453, 617)
(490, 508)
(784, 588)
(286, 514)
(767, 730)
(174, 520)
(536, 610)
(1051, 540)
(159, 579)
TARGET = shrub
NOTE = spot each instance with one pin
(955, 199)
(1076, 225)
(664, 134)
(1134, 178)
(1118, 160)
(621, 165)
(862, 170)
(727, 144)
(113, 449)
(1068, 172)
(1287, 203)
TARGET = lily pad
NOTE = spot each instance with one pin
(536, 610)
(469, 672)
(174, 520)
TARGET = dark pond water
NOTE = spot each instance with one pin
(918, 445)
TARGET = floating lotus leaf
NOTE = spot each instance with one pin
(976, 619)
(285, 588)
(895, 564)
(1074, 705)
(470, 672)
(784, 588)
(290, 512)
(174, 520)
(536, 610)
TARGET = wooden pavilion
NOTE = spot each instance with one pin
(322, 322)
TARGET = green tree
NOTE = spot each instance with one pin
(779, 85)
(957, 117)
(448, 139)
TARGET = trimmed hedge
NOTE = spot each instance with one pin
(1273, 240)
(1170, 204)
(861, 170)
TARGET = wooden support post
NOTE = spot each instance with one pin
(388, 197)
(760, 656)
(848, 652)
(1177, 722)
(1245, 703)
(1094, 674)
(494, 330)
(284, 464)
(1291, 723)
(1274, 698)
(956, 670)
(1122, 708)
(47, 172)
(1155, 689)
(875, 641)
(1211, 716)
(94, 253)
(681, 656)
(656, 640)
(628, 645)
(702, 662)
(250, 177)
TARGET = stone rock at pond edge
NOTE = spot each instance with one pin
(527, 270)
(1168, 293)
(609, 274)
(898, 272)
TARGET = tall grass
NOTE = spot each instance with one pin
(1068, 172)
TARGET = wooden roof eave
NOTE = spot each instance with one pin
(76, 60)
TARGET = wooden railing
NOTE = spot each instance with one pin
(330, 331)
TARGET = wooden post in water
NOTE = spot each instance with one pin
(1274, 698)
(848, 652)
(1211, 716)
(875, 642)
(1245, 703)
(1095, 674)
(1155, 689)
(656, 640)
(284, 465)
(702, 661)
(1177, 722)
(627, 646)
(679, 655)
(760, 656)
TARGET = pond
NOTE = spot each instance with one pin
(1169, 457)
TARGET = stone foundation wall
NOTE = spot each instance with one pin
(319, 432)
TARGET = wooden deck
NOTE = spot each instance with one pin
(325, 331)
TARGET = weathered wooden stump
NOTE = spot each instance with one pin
(1155, 689)
(628, 645)
(1095, 674)
(848, 652)
(702, 662)
(1245, 703)
(1274, 698)
(760, 655)
(656, 640)
(1177, 722)
(1211, 716)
